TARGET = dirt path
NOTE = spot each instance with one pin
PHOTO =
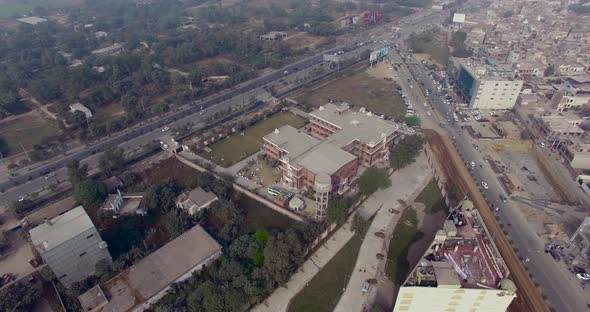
(23, 93)
(457, 173)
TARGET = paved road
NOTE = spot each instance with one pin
(32, 181)
(561, 287)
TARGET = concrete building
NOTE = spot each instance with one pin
(487, 86)
(110, 50)
(124, 204)
(461, 271)
(32, 20)
(78, 107)
(581, 238)
(556, 128)
(146, 282)
(195, 200)
(566, 97)
(327, 160)
(70, 245)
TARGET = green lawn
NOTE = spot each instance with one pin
(237, 147)
(405, 233)
(28, 131)
(432, 199)
(360, 89)
(325, 289)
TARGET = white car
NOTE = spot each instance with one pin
(425, 104)
(428, 113)
(165, 129)
(583, 276)
(485, 185)
(50, 175)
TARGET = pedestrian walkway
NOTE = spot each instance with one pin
(279, 300)
(405, 185)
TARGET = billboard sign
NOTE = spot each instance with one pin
(375, 55)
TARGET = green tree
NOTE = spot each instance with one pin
(89, 192)
(549, 71)
(19, 297)
(373, 179)
(412, 121)
(111, 160)
(360, 225)
(405, 151)
(338, 211)
(77, 172)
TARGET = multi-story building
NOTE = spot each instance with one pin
(70, 245)
(566, 97)
(486, 86)
(327, 159)
(461, 271)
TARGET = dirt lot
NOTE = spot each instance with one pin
(241, 145)
(303, 40)
(260, 172)
(170, 169)
(27, 130)
(360, 89)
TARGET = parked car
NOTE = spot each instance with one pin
(503, 198)
(50, 175)
(485, 185)
(583, 276)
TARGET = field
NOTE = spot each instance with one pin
(431, 198)
(259, 216)
(362, 90)
(405, 233)
(237, 147)
(325, 289)
(27, 130)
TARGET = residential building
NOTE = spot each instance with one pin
(273, 36)
(70, 245)
(110, 50)
(488, 86)
(146, 282)
(566, 97)
(555, 127)
(78, 107)
(195, 200)
(461, 270)
(124, 204)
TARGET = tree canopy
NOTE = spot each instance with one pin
(373, 179)
(405, 151)
(89, 192)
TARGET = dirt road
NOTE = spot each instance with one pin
(530, 298)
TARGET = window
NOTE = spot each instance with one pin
(83, 254)
(89, 236)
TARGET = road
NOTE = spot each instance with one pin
(28, 182)
(559, 285)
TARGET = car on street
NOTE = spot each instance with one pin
(365, 288)
(503, 198)
(583, 276)
(428, 113)
(472, 163)
(49, 175)
(485, 185)
(165, 129)
(425, 104)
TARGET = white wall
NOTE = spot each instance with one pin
(495, 94)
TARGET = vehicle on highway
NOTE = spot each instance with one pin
(50, 175)
(165, 129)
(583, 276)
(485, 185)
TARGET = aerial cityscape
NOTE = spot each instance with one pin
(294, 155)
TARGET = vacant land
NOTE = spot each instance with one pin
(431, 43)
(258, 216)
(362, 90)
(8, 10)
(405, 233)
(432, 199)
(241, 145)
(323, 292)
(27, 130)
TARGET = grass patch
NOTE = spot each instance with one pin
(432, 199)
(325, 289)
(28, 131)
(258, 216)
(360, 89)
(405, 233)
(237, 147)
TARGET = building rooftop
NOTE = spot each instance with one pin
(198, 196)
(292, 140)
(360, 125)
(155, 272)
(32, 20)
(562, 124)
(326, 158)
(93, 299)
(60, 229)
(487, 69)
(462, 255)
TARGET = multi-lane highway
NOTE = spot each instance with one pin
(31, 181)
(558, 284)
